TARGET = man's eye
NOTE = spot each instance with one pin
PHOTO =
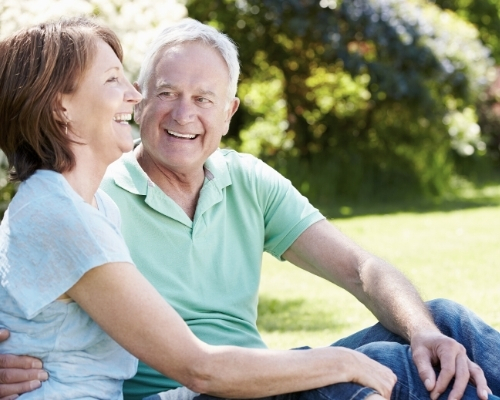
(203, 100)
(165, 94)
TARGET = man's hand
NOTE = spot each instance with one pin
(18, 374)
(435, 349)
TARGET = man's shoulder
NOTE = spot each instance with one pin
(248, 165)
(235, 161)
(230, 154)
(124, 174)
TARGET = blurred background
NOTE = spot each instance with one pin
(363, 104)
(385, 113)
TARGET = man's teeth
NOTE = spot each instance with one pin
(180, 135)
(122, 118)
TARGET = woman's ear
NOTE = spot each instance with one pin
(61, 112)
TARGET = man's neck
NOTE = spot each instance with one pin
(182, 187)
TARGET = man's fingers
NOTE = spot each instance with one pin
(15, 376)
(477, 377)
(4, 335)
(18, 381)
(462, 377)
(11, 391)
(422, 360)
(20, 362)
(446, 374)
(18, 374)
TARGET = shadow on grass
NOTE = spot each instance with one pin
(277, 315)
(416, 206)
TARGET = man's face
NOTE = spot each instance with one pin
(186, 109)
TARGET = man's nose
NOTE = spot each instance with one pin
(184, 111)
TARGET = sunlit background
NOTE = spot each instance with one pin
(136, 22)
(386, 100)
(368, 107)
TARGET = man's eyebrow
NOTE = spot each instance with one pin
(167, 85)
(207, 93)
(163, 85)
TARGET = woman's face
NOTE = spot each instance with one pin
(99, 109)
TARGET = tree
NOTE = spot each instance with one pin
(135, 22)
(347, 97)
(485, 15)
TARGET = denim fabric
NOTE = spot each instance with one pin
(481, 341)
(339, 391)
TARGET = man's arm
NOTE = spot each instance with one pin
(18, 374)
(324, 251)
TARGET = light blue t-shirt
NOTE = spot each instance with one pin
(49, 238)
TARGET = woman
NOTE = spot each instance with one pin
(67, 280)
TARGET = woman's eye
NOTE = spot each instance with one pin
(113, 79)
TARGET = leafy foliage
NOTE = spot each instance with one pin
(136, 23)
(485, 15)
(346, 97)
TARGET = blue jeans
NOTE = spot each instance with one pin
(481, 341)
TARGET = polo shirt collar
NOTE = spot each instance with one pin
(216, 170)
(129, 175)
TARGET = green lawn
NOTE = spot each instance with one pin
(453, 254)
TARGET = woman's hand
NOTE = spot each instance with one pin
(370, 373)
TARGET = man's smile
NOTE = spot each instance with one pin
(180, 135)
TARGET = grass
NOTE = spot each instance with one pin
(447, 251)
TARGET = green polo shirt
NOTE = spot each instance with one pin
(208, 268)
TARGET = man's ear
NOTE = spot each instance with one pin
(232, 108)
(137, 107)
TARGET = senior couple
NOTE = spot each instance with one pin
(197, 219)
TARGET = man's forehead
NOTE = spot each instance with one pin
(165, 83)
(178, 65)
(186, 49)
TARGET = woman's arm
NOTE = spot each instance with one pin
(133, 313)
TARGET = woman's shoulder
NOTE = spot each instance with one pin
(108, 207)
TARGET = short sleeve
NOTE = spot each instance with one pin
(49, 243)
(287, 213)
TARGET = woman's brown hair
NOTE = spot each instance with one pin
(37, 65)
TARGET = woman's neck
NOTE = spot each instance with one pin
(85, 178)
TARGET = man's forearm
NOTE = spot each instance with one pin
(391, 297)
(323, 250)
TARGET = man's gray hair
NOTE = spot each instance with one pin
(190, 30)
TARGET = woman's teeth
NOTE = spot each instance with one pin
(122, 118)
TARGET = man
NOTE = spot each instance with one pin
(197, 220)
